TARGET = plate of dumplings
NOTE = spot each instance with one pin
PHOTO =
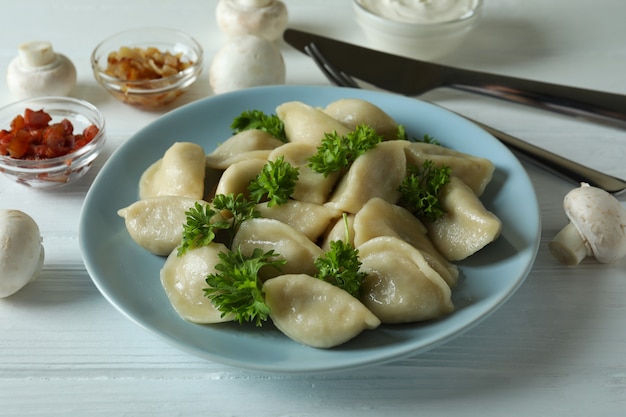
(424, 282)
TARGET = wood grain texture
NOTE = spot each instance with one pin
(556, 348)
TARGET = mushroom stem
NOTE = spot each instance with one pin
(569, 246)
(36, 54)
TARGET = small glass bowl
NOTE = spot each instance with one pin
(149, 94)
(424, 40)
(62, 170)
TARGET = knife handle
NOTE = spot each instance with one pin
(597, 106)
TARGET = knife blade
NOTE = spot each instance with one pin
(413, 77)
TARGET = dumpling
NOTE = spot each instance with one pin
(184, 280)
(475, 171)
(307, 124)
(156, 224)
(180, 172)
(380, 218)
(149, 180)
(377, 173)
(466, 227)
(290, 244)
(236, 178)
(353, 112)
(400, 286)
(311, 186)
(247, 144)
(309, 218)
(315, 313)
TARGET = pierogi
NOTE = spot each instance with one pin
(407, 261)
(314, 312)
(156, 224)
(180, 172)
(184, 280)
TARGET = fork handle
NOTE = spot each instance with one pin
(598, 106)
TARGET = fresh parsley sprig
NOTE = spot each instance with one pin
(338, 152)
(256, 119)
(203, 222)
(276, 182)
(239, 207)
(236, 287)
(200, 227)
(419, 191)
(403, 135)
(340, 265)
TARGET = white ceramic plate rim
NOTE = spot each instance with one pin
(127, 276)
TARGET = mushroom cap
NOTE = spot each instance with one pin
(246, 61)
(266, 18)
(21, 251)
(600, 219)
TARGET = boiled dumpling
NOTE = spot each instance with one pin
(377, 173)
(247, 144)
(475, 171)
(315, 313)
(309, 218)
(400, 286)
(290, 244)
(236, 178)
(380, 218)
(184, 280)
(353, 112)
(180, 172)
(311, 186)
(466, 227)
(307, 124)
(156, 224)
(149, 180)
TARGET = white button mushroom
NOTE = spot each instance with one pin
(265, 18)
(597, 227)
(21, 251)
(39, 71)
(246, 61)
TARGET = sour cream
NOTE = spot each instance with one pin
(421, 11)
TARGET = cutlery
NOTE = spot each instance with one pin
(412, 77)
(547, 160)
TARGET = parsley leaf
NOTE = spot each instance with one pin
(340, 266)
(239, 207)
(402, 135)
(338, 152)
(200, 227)
(419, 191)
(236, 287)
(256, 119)
(277, 181)
(203, 221)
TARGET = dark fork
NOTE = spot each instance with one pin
(552, 162)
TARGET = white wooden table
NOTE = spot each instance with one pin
(557, 348)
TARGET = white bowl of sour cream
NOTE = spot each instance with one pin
(422, 29)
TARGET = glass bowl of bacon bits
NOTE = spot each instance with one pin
(48, 142)
(148, 67)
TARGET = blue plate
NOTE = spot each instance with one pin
(128, 276)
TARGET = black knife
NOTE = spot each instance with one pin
(413, 77)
